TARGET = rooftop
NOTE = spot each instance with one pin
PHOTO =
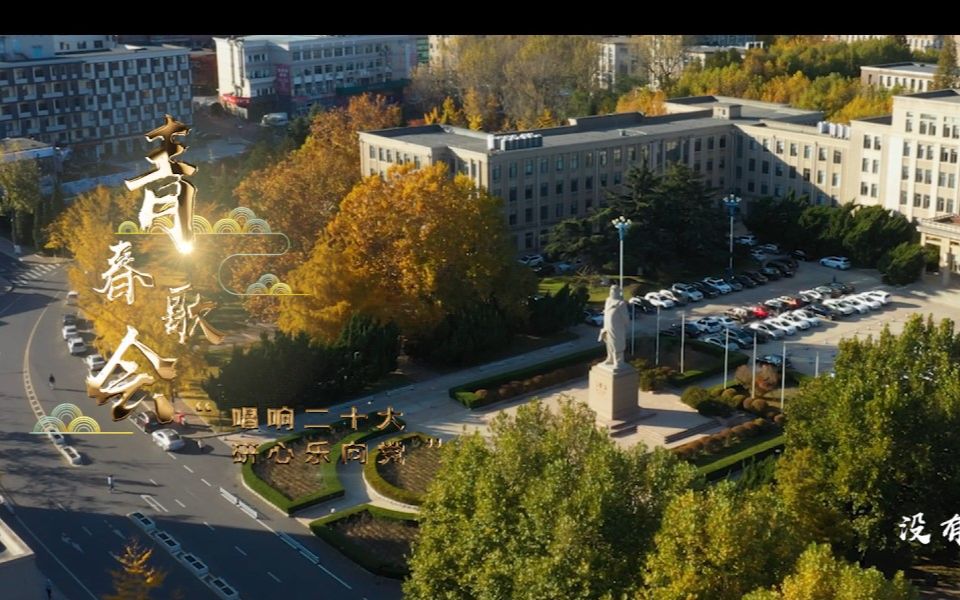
(949, 96)
(11, 546)
(907, 67)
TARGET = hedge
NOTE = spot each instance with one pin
(384, 487)
(330, 486)
(320, 528)
(465, 393)
(728, 464)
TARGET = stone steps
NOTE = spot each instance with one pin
(679, 435)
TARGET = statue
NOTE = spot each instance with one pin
(615, 324)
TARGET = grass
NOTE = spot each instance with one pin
(598, 291)
(735, 454)
(377, 539)
(405, 481)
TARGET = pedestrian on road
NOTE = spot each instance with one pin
(110, 483)
(49, 590)
(52, 381)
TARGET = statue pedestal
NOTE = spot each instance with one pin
(613, 393)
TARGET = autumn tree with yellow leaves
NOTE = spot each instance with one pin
(136, 578)
(413, 248)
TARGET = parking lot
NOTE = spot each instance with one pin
(818, 345)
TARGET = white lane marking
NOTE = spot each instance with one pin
(238, 549)
(154, 483)
(327, 571)
(171, 456)
(87, 531)
(274, 577)
(206, 482)
(60, 506)
(209, 526)
(188, 468)
(182, 505)
(153, 503)
(267, 527)
(118, 533)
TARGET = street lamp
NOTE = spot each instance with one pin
(658, 336)
(622, 224)
(731, 202)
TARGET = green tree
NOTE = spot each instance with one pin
(873, 231)
(948, 73)
(777, 218)
(136, 578)
(552, 313)
(548, 507)
(903, 264)
(720, 544)
(19, 191)
(821, 576)
(877, 441)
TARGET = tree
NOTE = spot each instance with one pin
(552, 313)
(20, 189)
(903, 264)
(548, 507)
(948, 73)
(136, 578)
(819, 575)
(873, 231)
(662, 56)
(720, 544)
(650, 103)
(412, 248)
(299, 195)
(877, 441)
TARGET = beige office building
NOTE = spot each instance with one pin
(912, 76)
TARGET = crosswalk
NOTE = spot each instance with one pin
(30, 275)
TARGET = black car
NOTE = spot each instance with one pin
(787, 261)
(845, 288)
(785, 270)
(745, 281)
(733, 283)
(147, 421)
(800, 255)
(757, 276)
(741, 337)
(771, 273)
(643, 305)
(69, 319)
(774, 360)
(762, 336)
(776, 306)
(691, 329)
(707, 290)
(544, 270)
(824, 311)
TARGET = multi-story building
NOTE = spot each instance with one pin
(912, 76)
(917, 43)
(93, 97)
(619, 59)
(258, 74)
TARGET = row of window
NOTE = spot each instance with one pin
(926, 151)
(923, 201)
(558, 212)
(927, 125)
(926, 176)
(559, 186)
(317, 53)
(794, 149)
(564, 161)
(871, 142)
(387, 155)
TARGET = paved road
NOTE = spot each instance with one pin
(74, 523)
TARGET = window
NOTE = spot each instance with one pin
(496, 173)
(820, 176)
(806, 174)
(696, 166)
(710, 166)
(867, 141)
(793, 149)
(834, 179)
(778, 169)
(528, 167)
(573, 207)
(941, 179)
(588, 182)
(864, 188)
(906, 148)
(916, 200)
(574, 161)
(750, 186)
(603, 157)
(873, 190)
(793, 172)
(544, 189)
(528, 240)
(574, 185)
(779, 147)
(513, 193)
(588, 159)
(559, 163)
(903, 197)
(543, 165)
(631, 153)
(558, 211)
(527, 215)
(752, 164)
(617, 156)
(918, 175)
(926, 201)
(764, 190)
(875, 166)
(696, 145)
(513, 219)
(528, 192)
(837, 157)
(603, 180)
(616, 178)
(821, 154)
(951, 180)
(865, 165)
(876, 142)
(904, 173)
(710, 143)
(559, 188)
(940, 204)
(544, 213)
(723, 141)
(806, 151)
(777, 191)
(765, 166)
(949, 205)
(927, 176)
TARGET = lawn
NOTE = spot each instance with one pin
(299, 478)
(421, 464)
(694, 359)
(378, 539)
(594, 283)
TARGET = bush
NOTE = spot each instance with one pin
(694, 395)
(779, 420)
(728, 394)
(654, 379)
(713, 444)
(757, 405)
(738, 401)
(713, 408)
(903, 264)
(739, 431)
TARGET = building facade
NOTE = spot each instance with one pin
(259, 74)
(93, 97)
(619, 59)
(908, 76)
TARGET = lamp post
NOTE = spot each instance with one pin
(753, 381)
(731, 202)
(726, 358)
(683, 337)
(658, 336)
(622, 224)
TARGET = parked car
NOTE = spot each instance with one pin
(740, 314)
(707, 290)
(774, 332)
(727, 322)
(94, 362)
(810, 317)
(745, 281)
(563, 267)
(836, 262)
(745, 240)
(810, 295)
(75, 345)
(828, 292)
(709, 324)
(771, 273)
(798, 322)
(531, 260)
(869, 300)
(839, 305)
(544, 270)
(733, 283)
(762, 336)
(70, 319)
(168, 439)
(758, 254)
(678, 299)
(861, 306)
(824, 311)
(845, 288)
(593, 317)
(791, 302)
(659, 301)
(718, 283)
(882, 296)
(758, 311)
(692, 293)
(643, 305)
(69, 331)
(786, 326)
(788, 261)
(775, 305)
(719, 339)
(774, 360)
(743, 338)
(770, 248)
(783, 269)
(800, 255)
(757, 276)
(146, 421)
(690, 330)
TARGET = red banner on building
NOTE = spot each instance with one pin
(283, 80)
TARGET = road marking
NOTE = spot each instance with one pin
(171, 456)
(87, 531)
(327, 571)
(209, 526)
(60, 506)
(56, 558)
(274, 577)
(267, 527)
(238, 549)
(182, 505)
(154, 483)
(188, 468)
(206, 482)
(153, 503)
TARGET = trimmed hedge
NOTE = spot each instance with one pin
(735, 359)
(384, 487)
(733, 462)
(482, 392)
(320, 528)
(331, 487)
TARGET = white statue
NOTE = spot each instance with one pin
(615, 324)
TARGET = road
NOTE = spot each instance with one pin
(76, 525)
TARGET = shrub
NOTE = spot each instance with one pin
(744, 376)
(903, 264)
(728, 393)
(694, 395)
(481, 395)
(738, 400)
(713, 408)
(696, 446)
(779, 420)
(751, 430)
(739, 431)
(758, 405)
(713, 444)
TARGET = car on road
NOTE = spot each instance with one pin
(69, 331)
(593, 317)
(836, 262)
(643, 305)
(94, 362)
(531, 260)
(757, 276)
(774, 332)
(771, 273)
(774, 360)
(718, 283)
(168, 439)
(72, 297)
(692, 293)
(75, 345)
(707, 290)
(745, 240)
(690, 330)
(146, 421)
(657, 300)
(70, 319)
(745, 281)
(719, 339)
(678, 299)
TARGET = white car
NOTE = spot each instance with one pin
(168, 439)
(859, 305)
(774, 332)
(709, 324)
(677, 299)
(882, 296)
(718, 283)
(836, 262)
(808, 317)
(719, 340)
(870, 301)
(770, 248)
(758, 254)
(692, 293)
(786, 327)
(746, 240)
(94, 362)
(76, 346)
(659, 301)
(728, 322)
(69, 331)
(837, 304)
(796, 321)
(531, 260)
(810, 295)
(72, 297)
